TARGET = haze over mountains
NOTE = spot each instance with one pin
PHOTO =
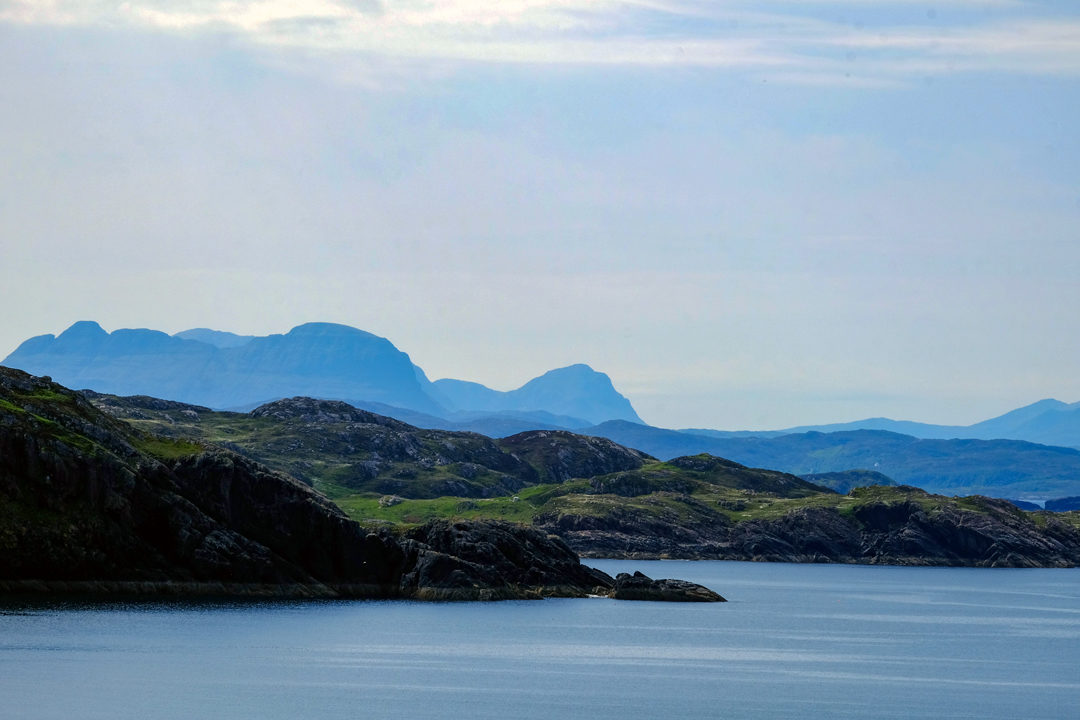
(227, 371)
(997, 457)
(1050, 422)
(1002, 468)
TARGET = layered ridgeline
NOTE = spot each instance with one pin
(998, 468)
(1048, 422)
(89, 503)
(324, 360)
(222, 370)
(608, 500)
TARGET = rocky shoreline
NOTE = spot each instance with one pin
(89, 504)
(923, 530)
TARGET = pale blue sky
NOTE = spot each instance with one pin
(748, 214)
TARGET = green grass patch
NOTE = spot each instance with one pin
(10, 406)
(164, 448)
(366, 508)
(1071, 518)
(50, 395)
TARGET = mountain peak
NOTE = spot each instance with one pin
(578, 368)
(326, 329)
(83, 329)
(315, 359)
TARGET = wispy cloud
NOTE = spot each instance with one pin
(811, 43)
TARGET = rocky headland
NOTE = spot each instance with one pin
(606, 500)
(90, 504)
(903, 526)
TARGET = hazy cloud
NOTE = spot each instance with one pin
(783, 41)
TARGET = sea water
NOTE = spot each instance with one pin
(795, 641)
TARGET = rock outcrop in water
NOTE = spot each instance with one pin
(640, 586)
(485, 559)
(88, 503)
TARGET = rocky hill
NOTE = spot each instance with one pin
(89, 503)
(894, 526)
(340, 449)
(558, 456)
(607, 500)
(660, 512)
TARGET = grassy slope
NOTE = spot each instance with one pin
(704, 502)
(660, 491)
(334, 460)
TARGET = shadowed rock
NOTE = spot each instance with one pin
(90, 504)
(642, 587)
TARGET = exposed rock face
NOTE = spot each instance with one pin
(477, 560)
(921, 530)
(641, 587)
(326, 440)
(623, 532)
(324, 412)
(559, 456)
(86, 502)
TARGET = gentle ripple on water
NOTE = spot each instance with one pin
(794, 641)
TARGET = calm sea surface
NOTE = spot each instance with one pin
(795, 641)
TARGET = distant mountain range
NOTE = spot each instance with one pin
(998, 468)
(1011, 456)
(1049, 422)
(227, 371)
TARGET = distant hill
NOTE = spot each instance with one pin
(338, 448)
(576, 391)
(1049, 422)
(998, 468)
(847, 480)
(325, 360)
(1067, 504)
(239, 372)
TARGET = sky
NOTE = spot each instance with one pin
(750, 215)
